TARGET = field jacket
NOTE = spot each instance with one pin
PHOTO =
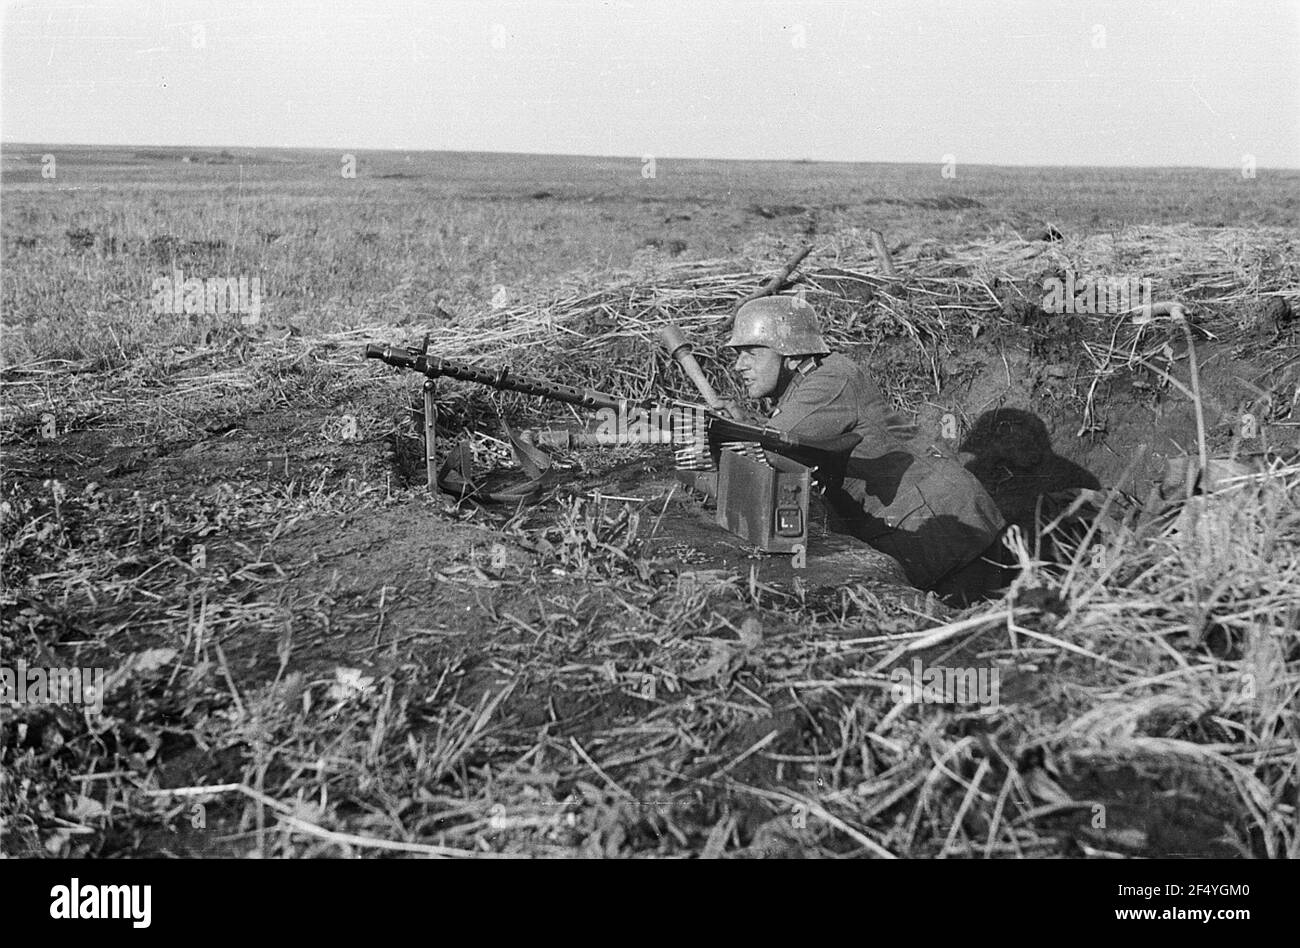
(917, 504)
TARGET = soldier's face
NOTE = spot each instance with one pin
(760, 369)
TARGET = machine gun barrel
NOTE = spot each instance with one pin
(434, 367)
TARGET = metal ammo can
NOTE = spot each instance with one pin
(763, 498)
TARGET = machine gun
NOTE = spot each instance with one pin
(762, 498)
(432, 367)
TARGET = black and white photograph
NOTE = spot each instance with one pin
(616, 429)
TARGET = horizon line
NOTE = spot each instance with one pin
(623, 157)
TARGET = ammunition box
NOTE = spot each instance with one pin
(763, 498)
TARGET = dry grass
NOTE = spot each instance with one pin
(705, 731)
(602, 700)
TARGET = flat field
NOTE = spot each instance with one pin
(308, 653)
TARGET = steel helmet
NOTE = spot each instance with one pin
(785, 324)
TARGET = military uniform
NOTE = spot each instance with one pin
(921, 507)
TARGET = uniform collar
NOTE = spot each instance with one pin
(801, 372)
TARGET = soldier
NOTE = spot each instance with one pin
(920, 507)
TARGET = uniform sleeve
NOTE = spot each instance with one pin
(819, 408)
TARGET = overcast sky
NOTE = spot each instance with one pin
(1061, 82)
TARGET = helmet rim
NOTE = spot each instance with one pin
(786, 324)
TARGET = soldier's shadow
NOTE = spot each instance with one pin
(1010, 452)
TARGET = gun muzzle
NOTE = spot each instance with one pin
(394, 356)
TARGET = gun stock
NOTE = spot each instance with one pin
(814, 452)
